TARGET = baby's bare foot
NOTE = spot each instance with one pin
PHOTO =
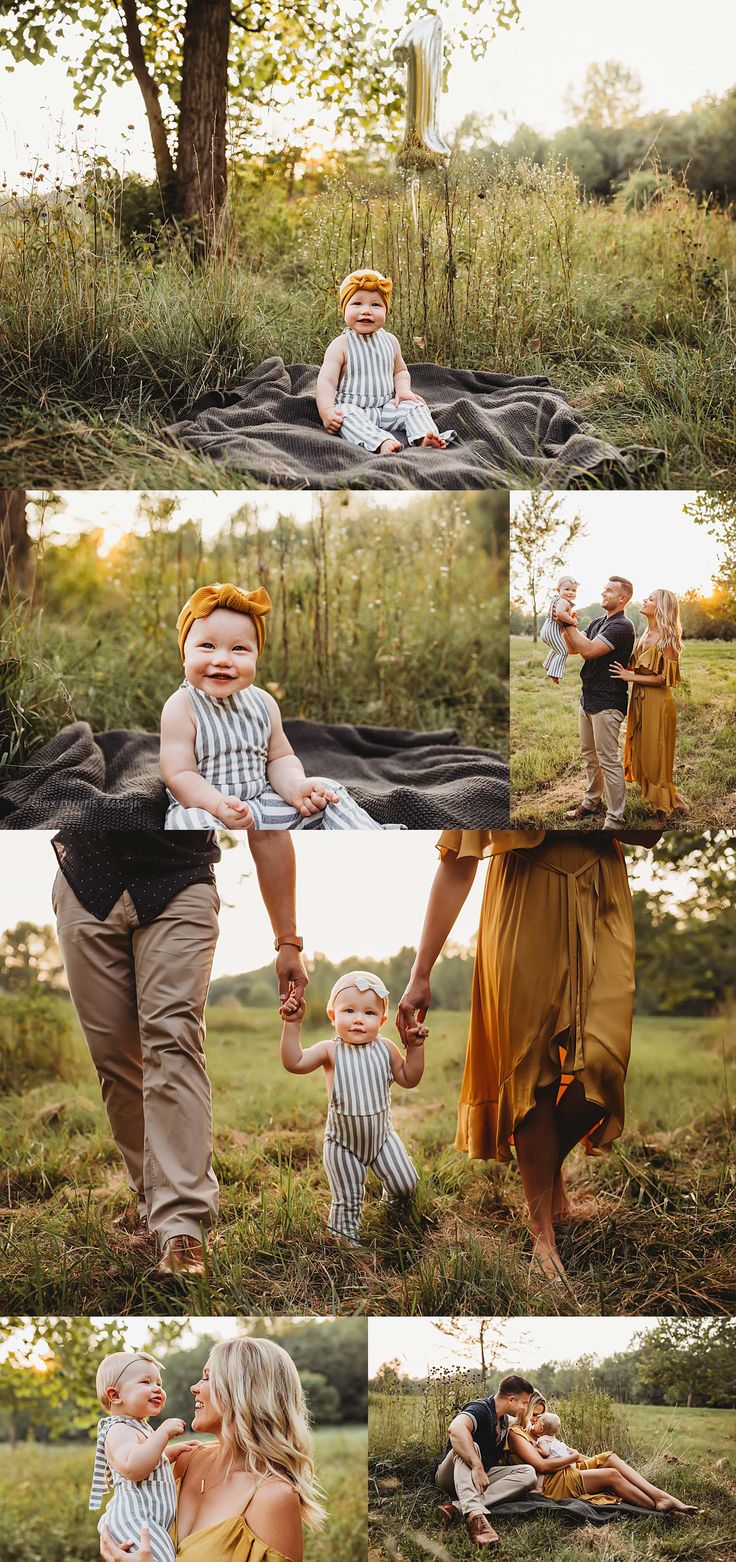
(436, 441)
(389, 447)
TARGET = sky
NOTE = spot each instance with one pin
(357, 894)
(523, 78)
(525, 1342)
(643, 536)
(115, 513)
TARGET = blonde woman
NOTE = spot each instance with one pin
(245, 1497)
(602, 1478)
(653, 672)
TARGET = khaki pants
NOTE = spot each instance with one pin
(599, 738)
(140, 994)
(507, 1483)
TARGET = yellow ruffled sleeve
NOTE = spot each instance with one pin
(487, 843)
(670, 669)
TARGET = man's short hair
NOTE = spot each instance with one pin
(624, 584)
(514, 1384)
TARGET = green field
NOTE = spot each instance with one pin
(547, 774)
(657, 1237)
(44, 1493)
(677, 1448)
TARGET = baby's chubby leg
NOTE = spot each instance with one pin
(394, 1168)
(123, 1524)
(361, 427)
(346, 1175)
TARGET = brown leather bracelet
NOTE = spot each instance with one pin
(293, 941)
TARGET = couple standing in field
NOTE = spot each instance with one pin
(546, 1060)
(611, 661)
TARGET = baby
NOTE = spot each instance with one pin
(561, 610)
(360, 1067)
(224, 756)
(544, 1431)
(364, 387)
(131, 1459)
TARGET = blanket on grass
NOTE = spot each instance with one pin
(571, 1510)
(111, 780)
(511, 432)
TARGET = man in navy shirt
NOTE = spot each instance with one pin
(470, 1470)
(603, 702)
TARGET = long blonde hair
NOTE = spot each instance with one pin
(255, 1389)
(524, 1419)
(667, 621)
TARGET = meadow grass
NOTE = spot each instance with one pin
(547, 773)
(654, 1227)
(510, 270)
(44, 1491)
(675, 1447)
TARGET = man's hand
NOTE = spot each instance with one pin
(333, 419)
(234, 814)
(407, 395)
(310, 795)
(290, 973)
(480, 1479)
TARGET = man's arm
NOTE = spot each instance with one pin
(273, 854)
(579, 643)
(461, 1440)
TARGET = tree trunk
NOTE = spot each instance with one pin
(150, 94)
(201, 170)
(15, 545)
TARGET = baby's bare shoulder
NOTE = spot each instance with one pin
(177, 711)
(336, 348)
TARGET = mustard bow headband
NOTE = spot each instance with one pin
(254, 604)
(374, 280)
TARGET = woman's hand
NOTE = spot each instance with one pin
(114, 1553)
(413, 1007)
(618, 671)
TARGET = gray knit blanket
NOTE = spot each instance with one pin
(82, 780)
(511, 432)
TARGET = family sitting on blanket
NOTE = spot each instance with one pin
(224, 755)
(495, 1453)
(364, 389)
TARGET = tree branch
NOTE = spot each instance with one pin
(237, 20)
(150, 93)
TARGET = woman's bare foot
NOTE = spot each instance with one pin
(673, 1505)
(389, 447)
(435, 440)
(546, 1261)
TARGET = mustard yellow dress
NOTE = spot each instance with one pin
(553, 982)
(651, 729)
(566, 1483)
(229, 1541)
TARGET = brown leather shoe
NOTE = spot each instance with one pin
(481, 1531)
(181, 1256)
(583, 813)
(448, 1513)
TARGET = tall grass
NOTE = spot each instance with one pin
(629, 312)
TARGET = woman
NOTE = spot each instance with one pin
(653, 672)
(604, 1478)
(245, 1497)
(550, 1020)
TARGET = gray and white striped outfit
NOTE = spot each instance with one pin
(231, 749)
(359, 1134)
(366, 395)
(551, 633)
(151, 1501)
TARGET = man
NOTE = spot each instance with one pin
(603, 702)
(137, 924)
(470, 1471)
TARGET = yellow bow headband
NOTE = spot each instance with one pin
(254, 604)
(374, 280)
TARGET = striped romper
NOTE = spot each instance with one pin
(551, 633)
(366, 395)
(231, 748)
(151, 1501)
(358, 1134)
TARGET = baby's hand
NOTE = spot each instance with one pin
(407, 395)
(333, 419)
(415, 1034)
(293, 1007)
(172, 1454)
(172, 1427)
(311, 795)
(234, 814)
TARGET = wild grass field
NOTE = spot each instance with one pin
(654, 1227)
(689, 1452)
(547, 774)
(44, 1490)
(628, 312)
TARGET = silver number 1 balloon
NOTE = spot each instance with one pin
(420, 48)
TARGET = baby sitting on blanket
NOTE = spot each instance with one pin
(364, 389)
(224, 755)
